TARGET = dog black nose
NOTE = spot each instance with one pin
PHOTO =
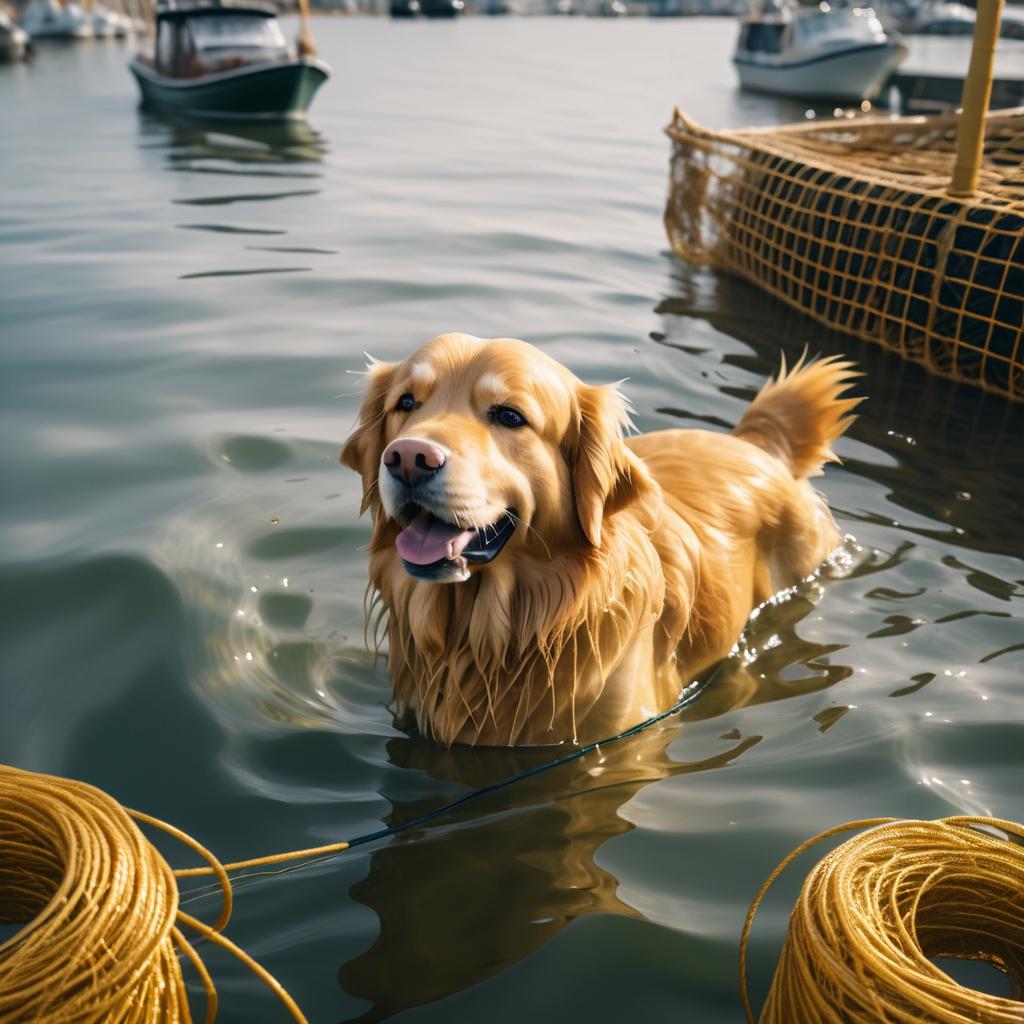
(411, 459)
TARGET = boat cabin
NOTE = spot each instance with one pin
(198, 40)
(781, 27)
(765, 29)
(762, 36)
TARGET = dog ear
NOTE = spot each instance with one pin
(363, 449)
(606, 475)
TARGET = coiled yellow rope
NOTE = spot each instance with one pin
(104, 938)
(876, 909)
(104, 935)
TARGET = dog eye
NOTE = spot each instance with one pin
(506, 417)
(406, 403)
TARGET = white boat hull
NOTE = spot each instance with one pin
(845, 75)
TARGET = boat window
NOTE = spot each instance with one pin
(810, 26)
(233, 32)
(166, 31)
(764, 38)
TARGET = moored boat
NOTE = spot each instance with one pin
(48, 19)
(942, 19)
(225, 61)
(832, 51)
(442, 8)
(14, 41)
(108, 24)
(404, 8)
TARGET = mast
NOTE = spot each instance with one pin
(970, 141)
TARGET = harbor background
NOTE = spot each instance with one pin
(182, 307)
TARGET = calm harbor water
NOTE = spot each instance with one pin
(182, 624)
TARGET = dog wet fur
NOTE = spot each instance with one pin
(544, 578)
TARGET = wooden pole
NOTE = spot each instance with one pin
(970, 141)
(304, 42)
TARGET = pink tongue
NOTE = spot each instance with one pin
(427, 539)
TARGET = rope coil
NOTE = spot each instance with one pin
(104, 934)
(874, 911)
(75, 866)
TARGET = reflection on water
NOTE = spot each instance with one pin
(457, 927)
(242, 273)
(270, 147)
(910, 422)
(550, 864)
(279, 151)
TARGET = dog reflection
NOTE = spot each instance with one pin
(527, 853)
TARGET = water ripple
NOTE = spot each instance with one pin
(249, 197)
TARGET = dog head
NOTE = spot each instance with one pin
(470, 448)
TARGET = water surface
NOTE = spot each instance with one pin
(181, 309)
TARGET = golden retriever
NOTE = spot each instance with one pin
(544, 578)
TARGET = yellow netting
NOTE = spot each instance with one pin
(852, 223)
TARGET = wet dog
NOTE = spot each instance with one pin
(544, 578)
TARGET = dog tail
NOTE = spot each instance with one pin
(800, 414)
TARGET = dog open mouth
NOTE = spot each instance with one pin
(434, 549)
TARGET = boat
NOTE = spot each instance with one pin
(108, 24)
(942, 19)
(225, 61)
(836, 51)
(48, 19)
(907, 232)
(698, 8)
(1012, 23)
(442, 8)
(14, 41)
(404, 8)
(500, 8)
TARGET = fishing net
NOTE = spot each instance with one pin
(852, 223)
